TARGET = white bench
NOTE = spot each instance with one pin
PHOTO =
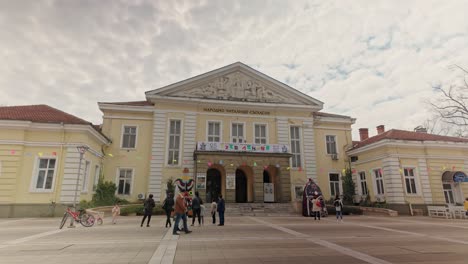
(439, 211)
(457, 211)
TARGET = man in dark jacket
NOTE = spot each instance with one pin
(148, 210)
(168, 206)
(221, 208)
(196, 208)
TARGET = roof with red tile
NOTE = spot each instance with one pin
(132, 103)
(396, 134)
(39, 114)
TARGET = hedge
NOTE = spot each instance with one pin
(347, 210)
(138, 210)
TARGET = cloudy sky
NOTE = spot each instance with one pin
(376, 61)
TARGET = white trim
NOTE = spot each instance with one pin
(342, 120)
(361, 191)
(127, 117)
(410, 156)
(181, 142)
(117, 180)
(340, 184)
(49, 144)
(33, 183)
(129, 108)
(416, 180)
(374, 179)
(221, 131)
(243, 131)
(336, 144)
(409, 143)
(332, 128)
(137, 128)
(267, 135)
(301, 145)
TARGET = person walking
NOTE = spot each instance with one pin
(202, 213)
(214, 207)
(221, 208)
(148, 206)
(316, 208)
(465, 206)
(196, 208)
(180, 210)
(338, 208)
(115, 212)
(168, 206)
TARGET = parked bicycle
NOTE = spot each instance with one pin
(86, 220)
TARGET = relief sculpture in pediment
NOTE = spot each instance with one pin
(236, 86)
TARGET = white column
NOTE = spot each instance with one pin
(393, 183)
(309, 151)
(424, 181)
(157, 153)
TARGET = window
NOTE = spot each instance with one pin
(84, 187)
(331, 144)
(260, 134)
(334, 184)
(214, 132)
(174, 143)
(44, 177)
(448, 193)
(295, 146)
(410, 181)
(125, 181)
(129, 137)
(237, 133)
(299, 191)
(379, 181)
(97, 173)
(363, 183)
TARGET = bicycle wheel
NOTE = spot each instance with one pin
(87, 220)
(99, 221)
(64, 220)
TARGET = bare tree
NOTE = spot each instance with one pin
(452, 106)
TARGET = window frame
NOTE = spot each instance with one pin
(131, 180)
(374, 176)
(244, 136)
(97, 174)
(86, 174)
(35, 175)
(300, 146)
(336, 144)
(122, 136)
(340, 189)
(178, 164)
(220, 122)
(361, 181)
(266, 133)
(414, 178)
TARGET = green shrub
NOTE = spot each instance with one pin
(86, 204)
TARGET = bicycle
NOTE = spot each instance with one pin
(86, 220)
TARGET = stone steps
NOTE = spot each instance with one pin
(259, 209)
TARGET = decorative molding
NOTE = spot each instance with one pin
(409, 143)
(128, 117)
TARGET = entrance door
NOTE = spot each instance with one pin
(241, 187)
(268, 188)
(213, 184)
(448, 193)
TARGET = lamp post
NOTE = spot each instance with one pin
(81, 150)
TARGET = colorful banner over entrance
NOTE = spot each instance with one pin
(241, 147)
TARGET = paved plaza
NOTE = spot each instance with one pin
(359, 239)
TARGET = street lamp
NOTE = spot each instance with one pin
(81, 150)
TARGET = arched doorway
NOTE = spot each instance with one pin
(213, 184)
(241, 186)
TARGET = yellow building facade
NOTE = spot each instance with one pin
(406, 168)
(233, 132)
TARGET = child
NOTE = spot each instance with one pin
(214, 206)
(339, 208)
(115, 213)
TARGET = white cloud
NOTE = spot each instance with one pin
(373, 60)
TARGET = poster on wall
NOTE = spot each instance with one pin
(201, 181)
(230, 181)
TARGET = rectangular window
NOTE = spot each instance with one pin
(260, 134)
(174, 142)
(84, 187)
(363, 183)
(410, 181)
(214, 132)
(448, 193)
(379, 181)
(334, 184)
(295, 146)
(45, 174)
(97, 173)
(237, 133)
(125, 181)
(331, 144)
(129, 137)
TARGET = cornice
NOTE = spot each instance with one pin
(128, 108)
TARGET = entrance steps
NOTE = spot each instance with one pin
(260, 209)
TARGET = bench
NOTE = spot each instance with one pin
(438, 211)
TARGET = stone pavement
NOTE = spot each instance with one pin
(359, 239)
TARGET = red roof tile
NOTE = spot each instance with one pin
(39, 114)
(407, 135)
(133, 103)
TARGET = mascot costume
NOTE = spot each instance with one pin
(311, 190)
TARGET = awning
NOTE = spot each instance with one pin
(454, 176)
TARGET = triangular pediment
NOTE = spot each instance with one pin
(236, 82)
